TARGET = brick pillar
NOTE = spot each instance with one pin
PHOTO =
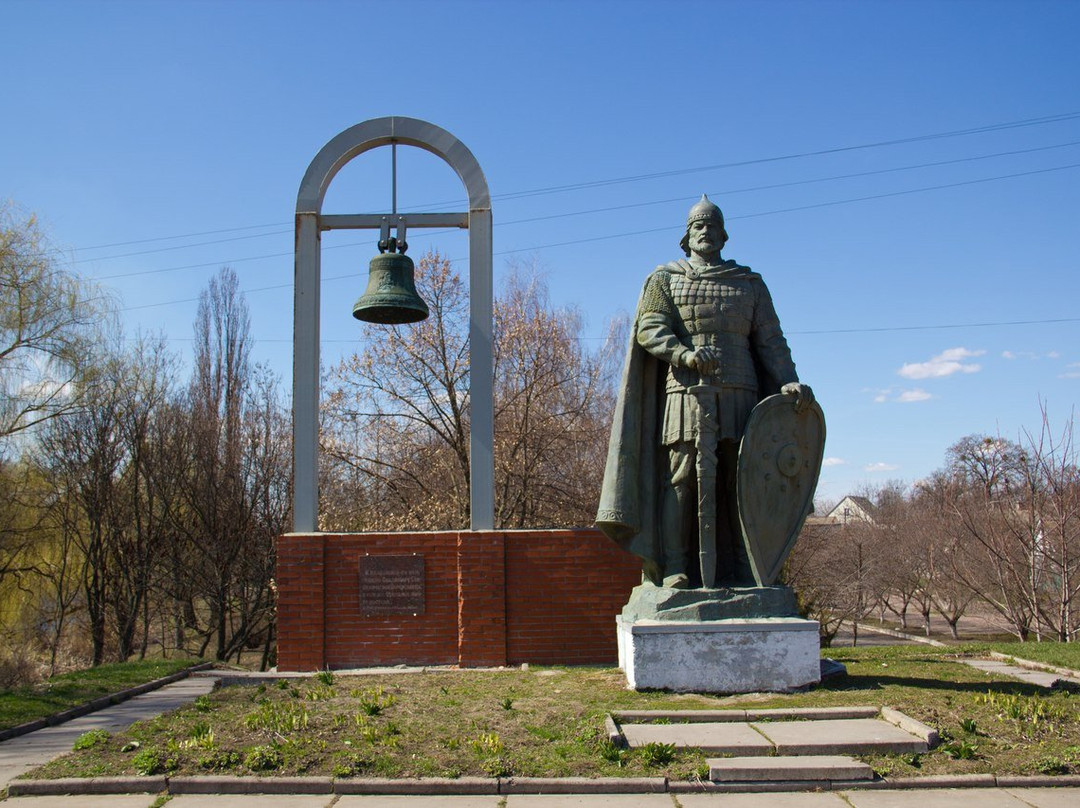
(300, 602)
(481, 599)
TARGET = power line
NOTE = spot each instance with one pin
(631, 233)
(629, 206)
(618, 235)
(180, 246)
(939, 327)
(813, 332)
(1023, 123)
(795, 156)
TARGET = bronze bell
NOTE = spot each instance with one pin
(390, 297)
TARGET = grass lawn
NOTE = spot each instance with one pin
(550, 722)
(68, 690)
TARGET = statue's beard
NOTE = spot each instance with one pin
(705, 251)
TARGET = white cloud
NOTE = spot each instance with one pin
(880, 467)
(1072, 371)
(1034, 357)
(918, 394)
(902, 396)
(833, 461)
(944, 364)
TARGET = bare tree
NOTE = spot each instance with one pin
(215, 516)
(395, 433)
(553, 413)
(84, 456)
(396, 417)
(234, 493)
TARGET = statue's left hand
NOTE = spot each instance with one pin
(804, 396)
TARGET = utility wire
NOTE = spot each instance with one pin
(629, 206)
(1057, 118)
(815, 332)
(798, 155)
(615, 235)
(222, 262)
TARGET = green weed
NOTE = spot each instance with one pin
(487, 744)
(202, 737)
(656, 754)
(149, 762)
(88, 740)
(961, 750)
(373, 702)
(262, 758)
(320, 692)
(350, 765)
(1052, 765)
(218, 761)
(280, 717)
(612, 752)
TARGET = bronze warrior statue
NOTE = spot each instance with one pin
(705, 348)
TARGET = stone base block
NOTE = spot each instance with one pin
(770, 654)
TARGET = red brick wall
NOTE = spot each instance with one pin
(491, 598)
(564, 588)
(299, 580)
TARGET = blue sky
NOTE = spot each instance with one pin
(898, 270)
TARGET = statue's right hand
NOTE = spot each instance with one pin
(704, 360)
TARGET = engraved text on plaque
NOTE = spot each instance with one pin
(391, 584)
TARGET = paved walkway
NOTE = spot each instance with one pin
(914, 798)
(19, 755)
(1032, 677)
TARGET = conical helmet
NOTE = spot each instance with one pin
(703, 209)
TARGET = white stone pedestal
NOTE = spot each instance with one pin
(769, 654)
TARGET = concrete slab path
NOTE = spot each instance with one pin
(848, 736)
(871, 798)
(787, 769)
(245, 801)
(434, 801)
(951, 798)
(720, 738)
(84, 801)
(996, 668)
(19, 755)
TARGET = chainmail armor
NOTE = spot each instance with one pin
(657, 295)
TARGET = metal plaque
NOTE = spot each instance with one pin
(779, 462)
(391, 584)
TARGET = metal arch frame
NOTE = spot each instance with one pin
(310, 222)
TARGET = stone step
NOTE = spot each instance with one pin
(728, 738)
(787, 769)
(854, 736)
(743, 715)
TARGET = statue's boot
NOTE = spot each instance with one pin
(678, 581)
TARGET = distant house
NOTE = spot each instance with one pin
(852, 509)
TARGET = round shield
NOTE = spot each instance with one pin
(779, 462)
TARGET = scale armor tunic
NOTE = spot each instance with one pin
(729, 309)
